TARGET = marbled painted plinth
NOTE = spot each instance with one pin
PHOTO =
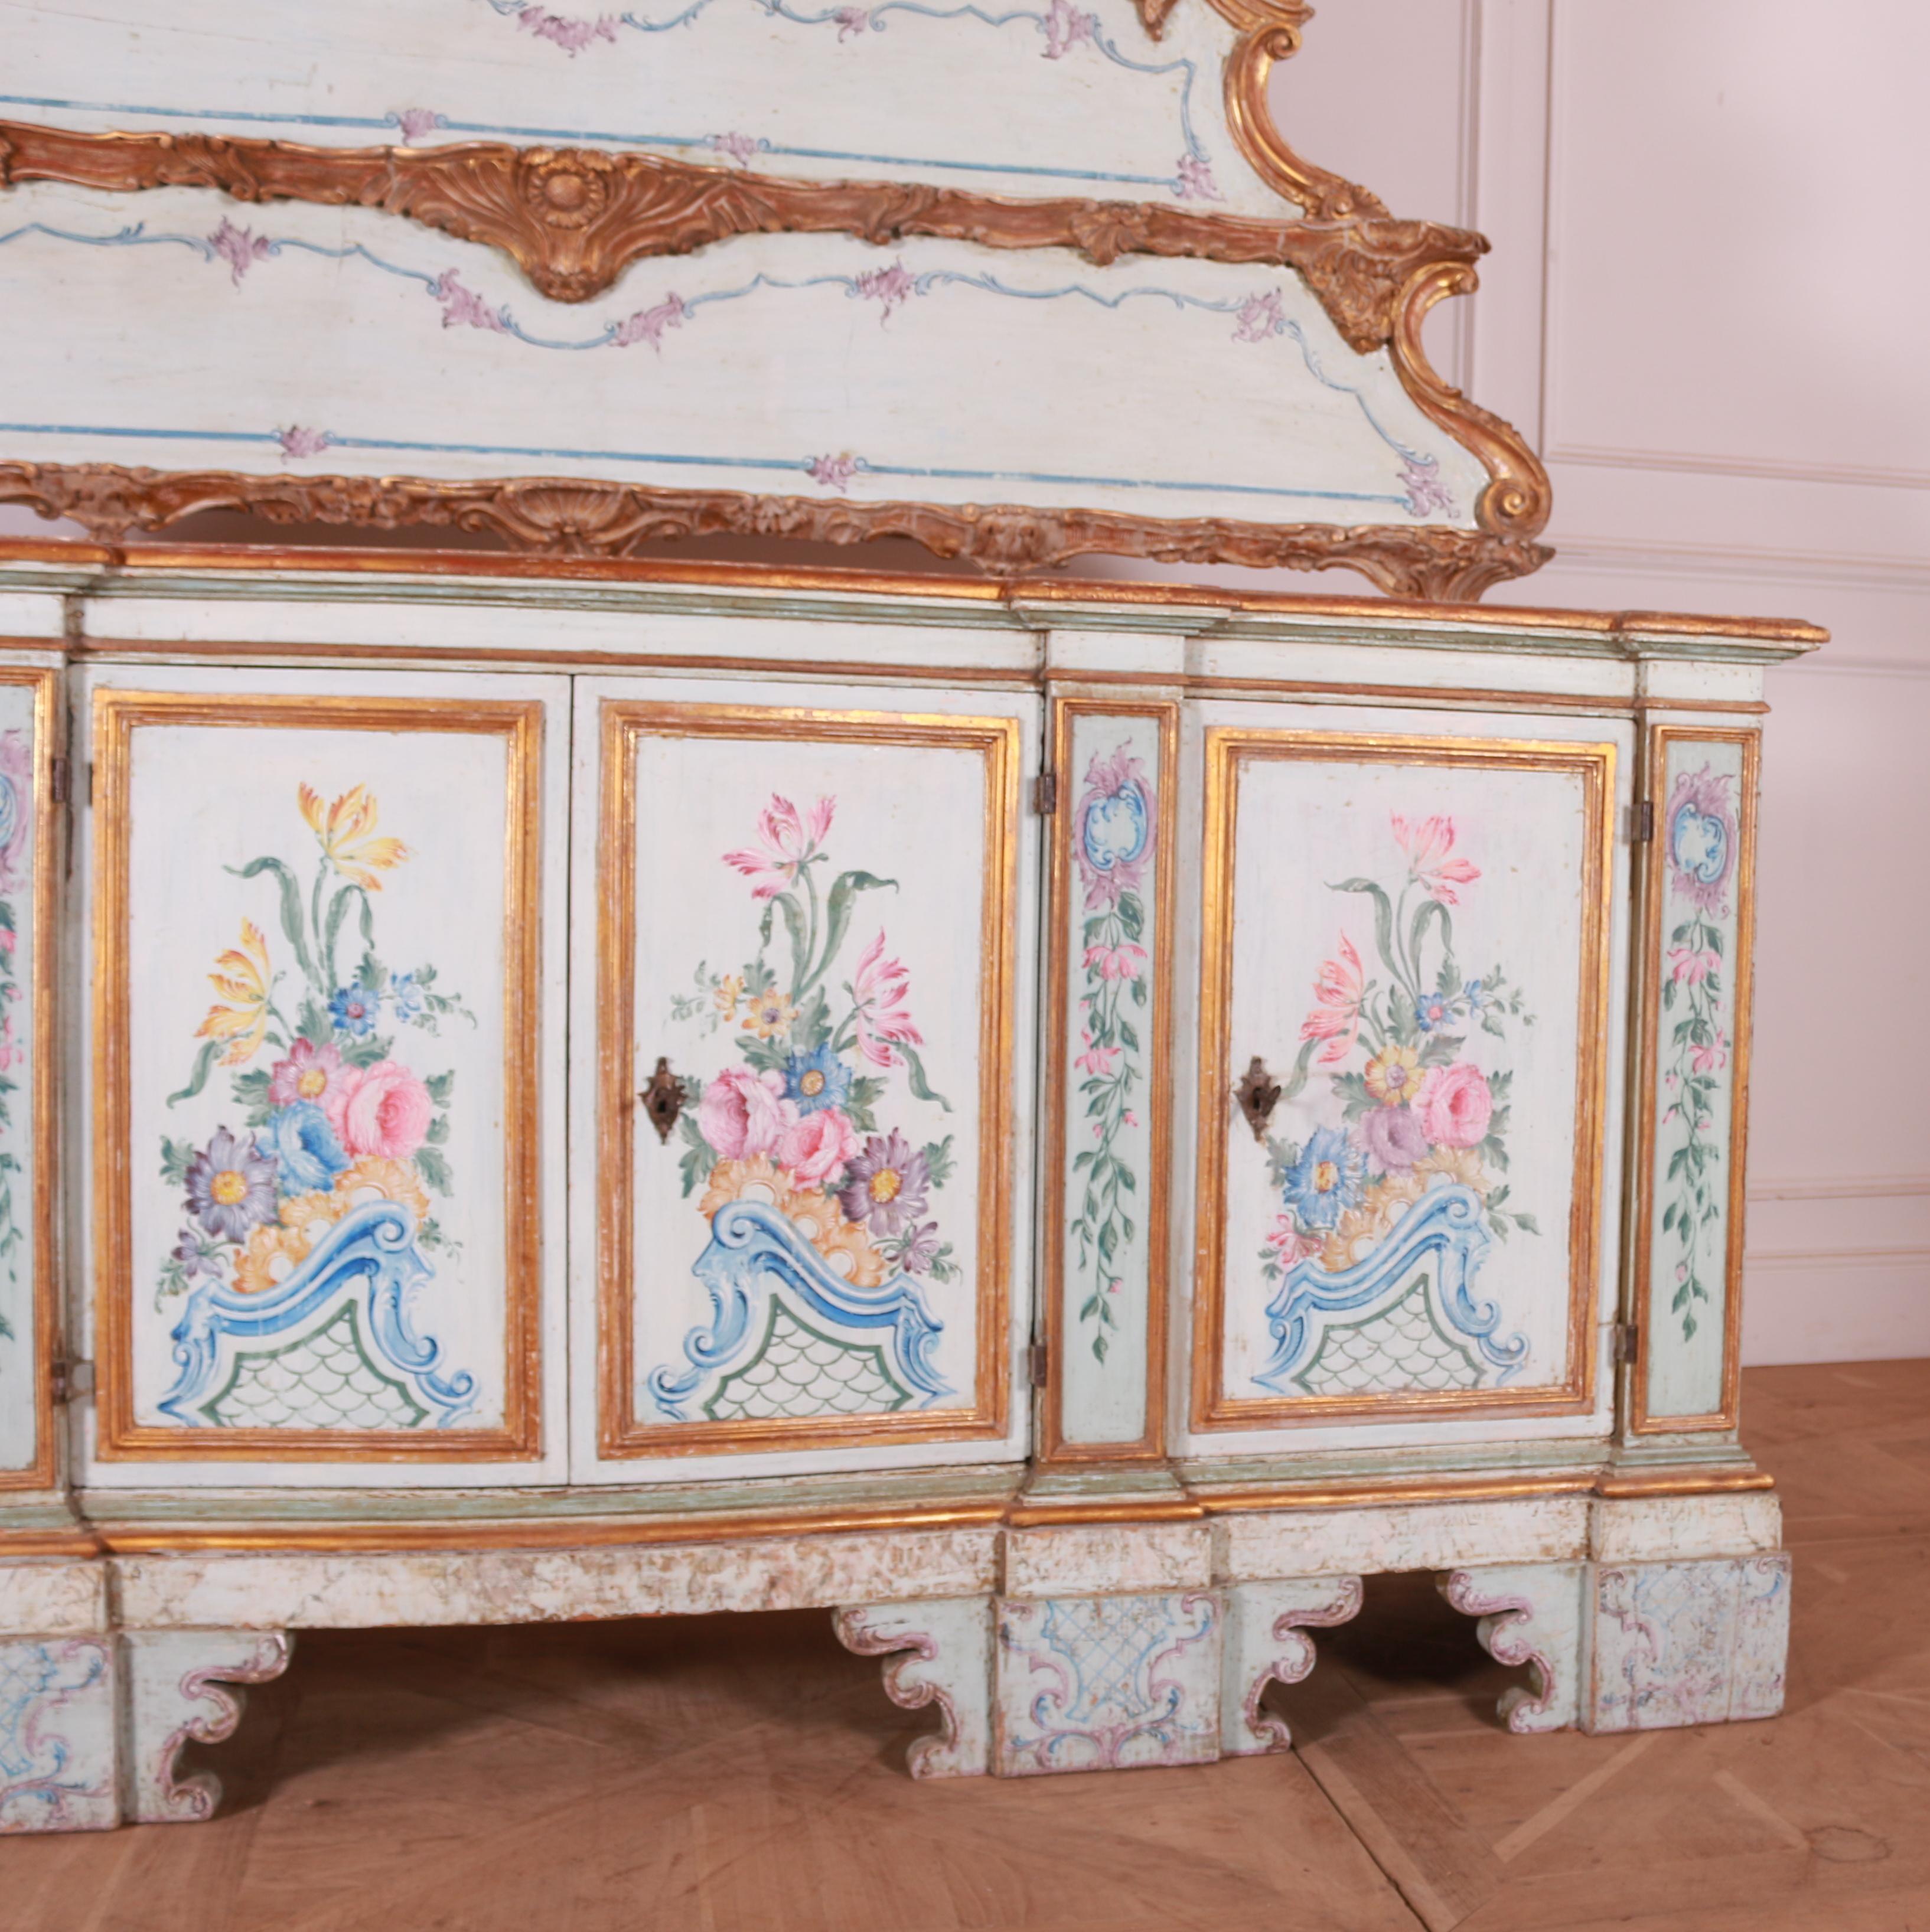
(1106, 1683)
(58, 1759)
(1687, 1643)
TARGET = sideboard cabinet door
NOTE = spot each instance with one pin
(29, 945)
(1409, 928)
(326, 941)
(803, 984)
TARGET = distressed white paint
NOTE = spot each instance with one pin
(1645, 1529)
(1073, 1559)
(181, 1687)
(1533, 1616)
(1111, 1683)
(319, 1592)
(934, 1653)
(1267, 1641)
(44, 1597)
(1415, 1536)
(59, 1746)
(1687, 1643)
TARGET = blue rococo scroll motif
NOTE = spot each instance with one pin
(367, 1265)
(756, 1256)
(1445, 1222)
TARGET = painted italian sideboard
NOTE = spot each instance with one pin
(1065, 1124)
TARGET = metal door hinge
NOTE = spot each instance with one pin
(1046, 793)
(60, 780)
(1038, 1364)
(1643, 827)
(1625, 1343)
(72, 1380)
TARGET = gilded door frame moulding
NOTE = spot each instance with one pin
(1054, 1447)
(1227, 749)
(1643, 1091)
(117, 712)
(44, 1291)
(999, 742)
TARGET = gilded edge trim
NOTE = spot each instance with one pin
(840, 671)
(118, 714)
(126, 1540)
(1227, 749)
(48, 724)
(1054, 1446)
(586, 516)
(1660, 738)
(998, 742)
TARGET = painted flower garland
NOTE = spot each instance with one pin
(1112, 845)
(1417, 1113)
(17, 792)
(794, 1126)
(339, 1116)
(1701, 831)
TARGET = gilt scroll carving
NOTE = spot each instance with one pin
(573, 219)
(569, 517)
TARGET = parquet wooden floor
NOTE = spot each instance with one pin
(742, 1774)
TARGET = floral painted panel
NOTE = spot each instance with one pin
(1111, 822)
(807, 1244)
(1409, 948)
(19, 1418)
(319, 1235)
(1701, 828)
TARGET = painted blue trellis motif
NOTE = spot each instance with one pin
(790, 1336)
(57, 1757)
(1444, 1228)
(330, 1346)
(1107, 1683)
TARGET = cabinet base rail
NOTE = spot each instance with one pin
(1099, 1645)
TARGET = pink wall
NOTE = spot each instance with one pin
(1705, 308)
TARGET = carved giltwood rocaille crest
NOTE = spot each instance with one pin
(574, 218)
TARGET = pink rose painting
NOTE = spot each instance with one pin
(742, 1112)
(1390, 1105)
(328, 1108)
(382, 1110)
(825, 1039)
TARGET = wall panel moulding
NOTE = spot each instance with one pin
(1021, 288)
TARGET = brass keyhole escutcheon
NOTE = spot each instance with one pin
(1258, 1095)
(663, 1099)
